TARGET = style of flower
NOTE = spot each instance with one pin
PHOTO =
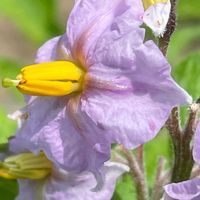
(39, 179)
(156, 15)
(105, 86)
(187, 190)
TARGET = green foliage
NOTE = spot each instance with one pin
(8, 189)
(7, 127)
(37, 19)
(187, 73)
(124, 189)
(156, 148)
(188, 10)
(10, 69)
(153, 150)
(184, 41)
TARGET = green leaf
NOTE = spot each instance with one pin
(37, 19)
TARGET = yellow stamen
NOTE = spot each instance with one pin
(57, 78)
(148, 3)
(26, 166)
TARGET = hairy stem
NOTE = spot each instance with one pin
(188, 133)
(140, 157)
(137, 174)
(157, 191)
(183, 160)
(175, 131)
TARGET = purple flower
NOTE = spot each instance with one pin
(187, 190)
(126, 92)
(39, 179)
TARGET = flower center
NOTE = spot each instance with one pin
(57, 78)
(26, 166)
(148, 3)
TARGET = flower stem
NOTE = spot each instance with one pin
(183, 162)
(137, 174)
(160, 180)
(175, 131)
(140, 157)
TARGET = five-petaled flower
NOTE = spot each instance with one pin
(114, 88)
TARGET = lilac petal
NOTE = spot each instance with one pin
(196, 149)
(46, 53)
(128, 119)
(62, 185)
(99, 17)
(155, 73)
(50, 128)
(132, 115)
(187, 190)
(54, 49)
(124, 46)
(31, 190)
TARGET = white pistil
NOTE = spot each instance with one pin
(7, 82)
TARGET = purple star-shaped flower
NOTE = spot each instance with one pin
(127, 94)
(187, 190)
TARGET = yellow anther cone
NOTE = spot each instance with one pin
(48, 88)
(56, 78)
(26, 166)
(53, 71)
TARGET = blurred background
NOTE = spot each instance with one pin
(26, 24)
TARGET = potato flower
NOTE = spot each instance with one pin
(97, 84)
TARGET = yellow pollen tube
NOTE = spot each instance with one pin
(148, 3)
(56, 78)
